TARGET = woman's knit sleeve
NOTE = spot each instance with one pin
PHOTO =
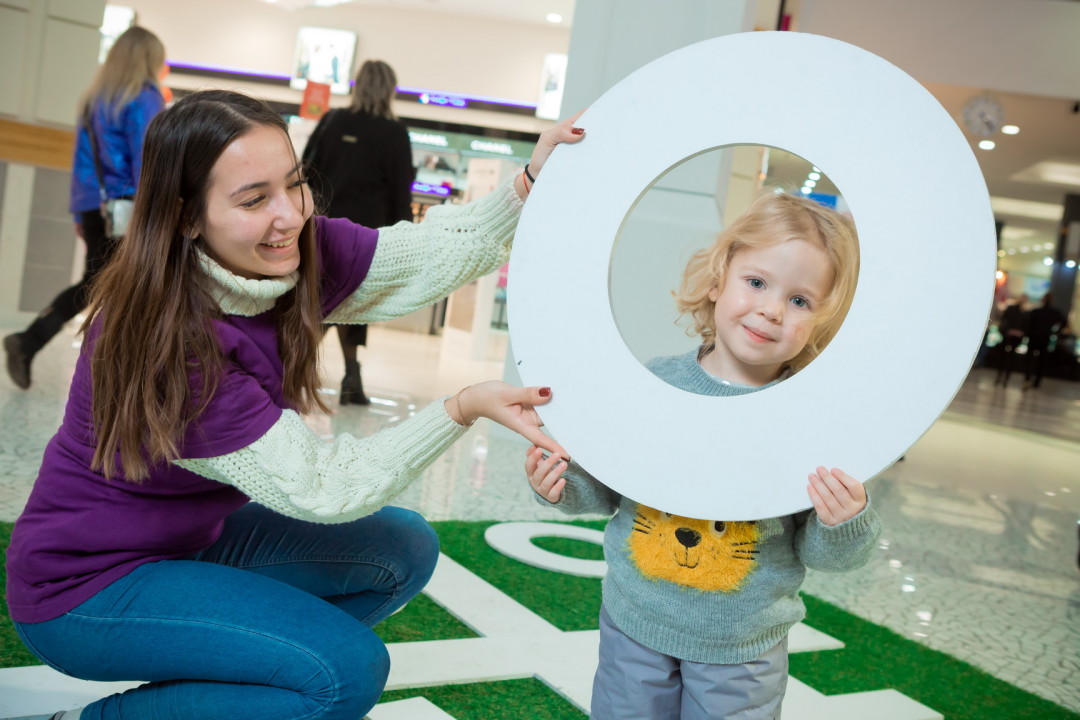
(416, 264)
(294, 472)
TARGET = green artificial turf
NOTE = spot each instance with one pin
(12, 651)
(526, 699)
(874, 658)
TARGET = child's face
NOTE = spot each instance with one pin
(767, 310)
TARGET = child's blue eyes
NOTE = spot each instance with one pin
(798, 301)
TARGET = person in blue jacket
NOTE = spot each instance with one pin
(115, 112)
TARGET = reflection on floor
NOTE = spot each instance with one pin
(979, 555)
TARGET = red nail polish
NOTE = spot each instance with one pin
(577, 131)
(545, 392)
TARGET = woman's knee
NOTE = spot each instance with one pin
(357, 671)
(417, 547)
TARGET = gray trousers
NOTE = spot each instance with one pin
(636, 683)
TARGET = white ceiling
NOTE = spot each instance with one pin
(1028, 174)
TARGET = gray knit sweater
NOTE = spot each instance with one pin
(707, 590)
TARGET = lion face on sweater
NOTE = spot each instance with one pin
(711, 555)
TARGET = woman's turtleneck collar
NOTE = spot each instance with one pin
(237, 295)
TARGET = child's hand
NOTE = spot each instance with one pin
(836, 495)
(545, 474)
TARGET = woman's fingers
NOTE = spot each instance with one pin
(564, 132)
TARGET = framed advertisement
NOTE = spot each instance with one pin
(324, 55)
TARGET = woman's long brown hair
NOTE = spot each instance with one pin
(155, 360)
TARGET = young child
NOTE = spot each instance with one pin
(695, 612)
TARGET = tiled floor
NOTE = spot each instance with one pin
(979, 556)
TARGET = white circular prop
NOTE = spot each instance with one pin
(927, 246)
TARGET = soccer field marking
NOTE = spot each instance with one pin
(514, 643)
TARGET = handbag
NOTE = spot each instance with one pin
(115, 211)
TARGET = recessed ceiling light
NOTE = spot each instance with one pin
(1048, 261)
(804, 190)
(810, 183)
(1053, 172)
(987, 144)
(554, 18)
(1027, 208)
(814, 176)
(1010, 129)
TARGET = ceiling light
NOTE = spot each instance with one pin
(1070, 264)
(1048, 261)
(1024, 249)
(1027, 208)
(810, 184)
(554, 18)
(1053, 172)
(1001, 253)
(987, 144)
(814, 176)
(1014, 233)
(1010, 129)
(804, 190)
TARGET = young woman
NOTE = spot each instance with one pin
(139, 555)
(116, 110)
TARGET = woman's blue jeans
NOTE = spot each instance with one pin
(272, 621)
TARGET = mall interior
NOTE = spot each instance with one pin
(979, 556)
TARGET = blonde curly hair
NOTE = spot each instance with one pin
(774, 217)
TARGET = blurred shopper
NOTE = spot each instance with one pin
(1013, 328)
(360, 164)
(1043, 322)
(114, 114)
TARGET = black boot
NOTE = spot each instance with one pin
(18, 360)
(22, 347)
(352, 387)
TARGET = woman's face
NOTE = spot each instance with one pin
(256, 206)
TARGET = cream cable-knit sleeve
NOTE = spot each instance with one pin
(416, 264)
(292, 471)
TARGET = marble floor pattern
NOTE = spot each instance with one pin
(979, 554)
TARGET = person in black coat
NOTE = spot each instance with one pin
(1013, 328)
(1043, 322)
(359, 164)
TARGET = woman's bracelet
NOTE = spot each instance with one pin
(532, 180)
(525, 183)
(457, 404)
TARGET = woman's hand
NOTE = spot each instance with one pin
(510, 406)
(564, 132)
(836, 496)
(545, 474)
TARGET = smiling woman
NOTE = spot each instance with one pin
(200, 354)
(256, 207)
